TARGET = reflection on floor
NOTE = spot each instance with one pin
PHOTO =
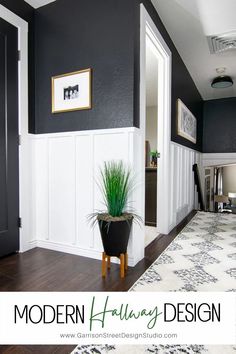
(150, 234)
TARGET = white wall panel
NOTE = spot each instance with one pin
(107, 147)
(136, 150)
(62, 192)
(178, 169)
(172, 194)
(186, 176)
(41, 191)
(191, 180)
(181, 182)
(84, 187)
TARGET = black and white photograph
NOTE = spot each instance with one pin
(187, 123)
(71, 91)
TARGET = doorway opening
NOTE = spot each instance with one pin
(9, 154)
(155, 118)
(151, 144)
(25, 150)
(220, 188)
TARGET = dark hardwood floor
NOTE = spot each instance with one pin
(37, 349)
(45, 270)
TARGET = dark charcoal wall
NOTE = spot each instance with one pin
(219, 133)
(25, 11)
(73, 35)
(103, 35)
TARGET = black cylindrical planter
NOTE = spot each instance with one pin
(115, 236)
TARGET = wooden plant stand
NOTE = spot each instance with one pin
(106, 264)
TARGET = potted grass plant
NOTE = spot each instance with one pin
(154, 156)
(116, 221)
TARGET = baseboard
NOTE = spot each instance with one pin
(75, 250)
(171, 227)
(29, 246)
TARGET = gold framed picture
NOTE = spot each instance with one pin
(72, 91)
(186, 123)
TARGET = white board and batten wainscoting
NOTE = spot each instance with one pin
(64, 189)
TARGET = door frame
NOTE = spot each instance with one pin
(148, 28)
(25, 184)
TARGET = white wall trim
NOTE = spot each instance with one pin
(32, 244)
(186, 147)
(85, 132)
(39, 3)
(12, 18)
(164, 56)
(25, 148)
(75, 250)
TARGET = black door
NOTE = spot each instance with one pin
(9, 165)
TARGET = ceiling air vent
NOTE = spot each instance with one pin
(222, 43)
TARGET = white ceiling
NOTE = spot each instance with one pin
(38, 3)
(188, 22)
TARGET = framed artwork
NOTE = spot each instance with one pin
(72, 91)
(186, 122)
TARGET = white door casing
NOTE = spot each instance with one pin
(163, 54)
(25, 147)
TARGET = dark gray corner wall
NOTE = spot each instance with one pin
(103, 35)
(25, 11)
(219, 132)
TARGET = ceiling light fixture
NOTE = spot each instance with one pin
(222, 81)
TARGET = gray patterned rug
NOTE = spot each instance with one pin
(201, 258)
